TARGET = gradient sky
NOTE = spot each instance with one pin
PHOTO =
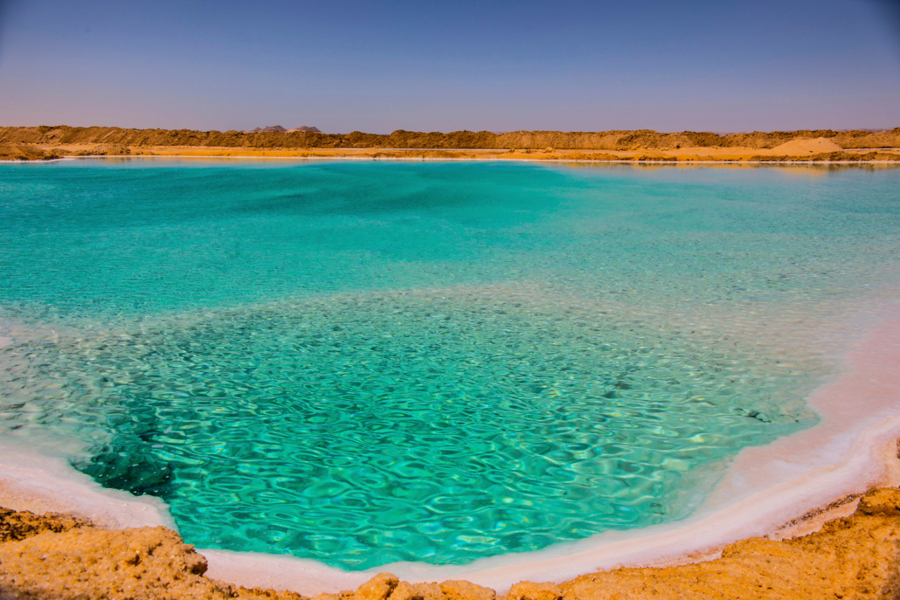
(378, 65)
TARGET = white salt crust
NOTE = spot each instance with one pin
(851, 450)
(30, 481)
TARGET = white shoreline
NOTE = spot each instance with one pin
(30, 481)
(764, 488)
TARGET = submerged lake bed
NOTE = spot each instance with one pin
(363, 363)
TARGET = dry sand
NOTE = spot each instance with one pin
(61, 558)
(36, 143)
(800, 146)
(616, 140)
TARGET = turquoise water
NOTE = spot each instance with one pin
(363, 362)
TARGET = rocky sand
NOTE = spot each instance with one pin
(63, 557)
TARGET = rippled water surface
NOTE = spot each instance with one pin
(363, 362)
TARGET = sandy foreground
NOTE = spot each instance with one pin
(857, 556)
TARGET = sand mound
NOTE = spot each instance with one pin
(802, 146)
(23, 152)
(63, 558)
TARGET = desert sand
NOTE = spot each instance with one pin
(36, 143)
(61, 557)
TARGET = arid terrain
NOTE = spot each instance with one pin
(35, 143)
(65, 558)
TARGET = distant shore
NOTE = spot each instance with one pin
(43, 143)
(37, 153)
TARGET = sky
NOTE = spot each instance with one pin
(380, 65)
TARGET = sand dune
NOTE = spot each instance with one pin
(807, 146)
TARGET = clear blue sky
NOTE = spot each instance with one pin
(377, 66)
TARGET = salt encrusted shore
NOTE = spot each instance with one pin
(776, 491)
(857, 556)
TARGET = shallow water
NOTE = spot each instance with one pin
(363, 363)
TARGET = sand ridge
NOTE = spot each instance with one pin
(619, 140)
(810, 146)
(45, 143)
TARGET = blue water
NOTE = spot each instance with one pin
(363, 362)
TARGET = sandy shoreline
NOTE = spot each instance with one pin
(786, 488)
